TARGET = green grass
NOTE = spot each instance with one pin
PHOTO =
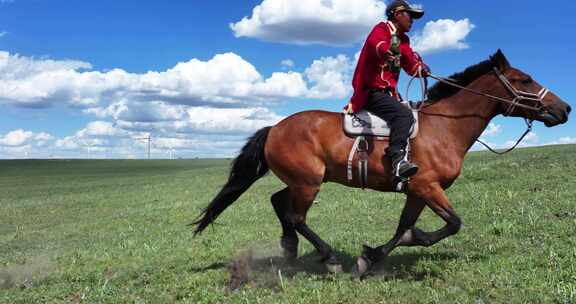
(116, 232)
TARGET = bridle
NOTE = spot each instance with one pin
(514, 103)
(521, 95)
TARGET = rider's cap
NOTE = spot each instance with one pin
(401, 5)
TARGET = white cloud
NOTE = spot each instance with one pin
(331, 77)
(224, 95)
(287, 63)
(21, 137)
(14, 67)
(563, 141)
(492, 130)
(99, 139)
(289, 84)
(224, 80)
(567, 140)
(441, 35)
(339, 22)
(100, 129)
(16, 138)
(532, 137)
(229, 120)
(204, 120)
(139, 111)
(330, 22)
(67, 143)
(96, 135)
(3, 33)
(204, 132)
(531, 140)
(494, 138)
(221, 96)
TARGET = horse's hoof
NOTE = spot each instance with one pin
(334, 268)
(362, 266)
(332, 263)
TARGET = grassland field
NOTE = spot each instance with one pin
(115, 231)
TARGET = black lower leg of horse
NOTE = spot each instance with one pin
(412, 210)
(410, 213)
(417, 237)
(289, 241)
(302, 199)
(441, 206)
(322, 247)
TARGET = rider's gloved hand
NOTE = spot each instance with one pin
(348, 109)
(425, 70)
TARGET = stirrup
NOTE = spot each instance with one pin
(403, 168)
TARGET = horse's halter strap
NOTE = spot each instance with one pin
(521, 95)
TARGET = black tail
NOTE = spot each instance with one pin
(247, 168)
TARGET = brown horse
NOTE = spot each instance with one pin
(310, 148)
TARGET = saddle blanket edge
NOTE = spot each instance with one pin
(364, 123)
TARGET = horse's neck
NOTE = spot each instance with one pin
(463, 117)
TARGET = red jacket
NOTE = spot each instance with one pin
(372, 70)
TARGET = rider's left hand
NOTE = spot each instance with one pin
(425, 70)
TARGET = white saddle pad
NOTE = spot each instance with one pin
(367, 124)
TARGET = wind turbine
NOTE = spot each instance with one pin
(149, 139)
(171, 151)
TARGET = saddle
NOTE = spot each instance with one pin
(365, 124)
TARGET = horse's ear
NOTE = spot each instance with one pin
(500, 61)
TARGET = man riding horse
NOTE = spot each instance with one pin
(308, 149)
(387, 50)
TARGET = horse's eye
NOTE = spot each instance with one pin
(527, 80)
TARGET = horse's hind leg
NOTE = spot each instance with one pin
(282, 206)
(302, 200)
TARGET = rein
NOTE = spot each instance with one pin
(528, 129)
(514, 103)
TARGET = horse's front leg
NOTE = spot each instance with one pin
(410, 213)
(407, 234)
(437, 200)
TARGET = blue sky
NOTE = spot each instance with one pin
(84, 78)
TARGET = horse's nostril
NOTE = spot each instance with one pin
(568, 110)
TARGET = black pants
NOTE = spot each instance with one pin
(398, 117)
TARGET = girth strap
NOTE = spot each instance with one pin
(360, 145)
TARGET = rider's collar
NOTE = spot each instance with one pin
(392, 27)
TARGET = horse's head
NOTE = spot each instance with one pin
(532, 100)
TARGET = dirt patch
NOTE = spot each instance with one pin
(264, 267)
(27, 274)
(259, 266)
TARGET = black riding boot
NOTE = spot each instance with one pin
(401, 167)
(401, 120)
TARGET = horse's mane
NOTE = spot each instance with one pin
(441, 90)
